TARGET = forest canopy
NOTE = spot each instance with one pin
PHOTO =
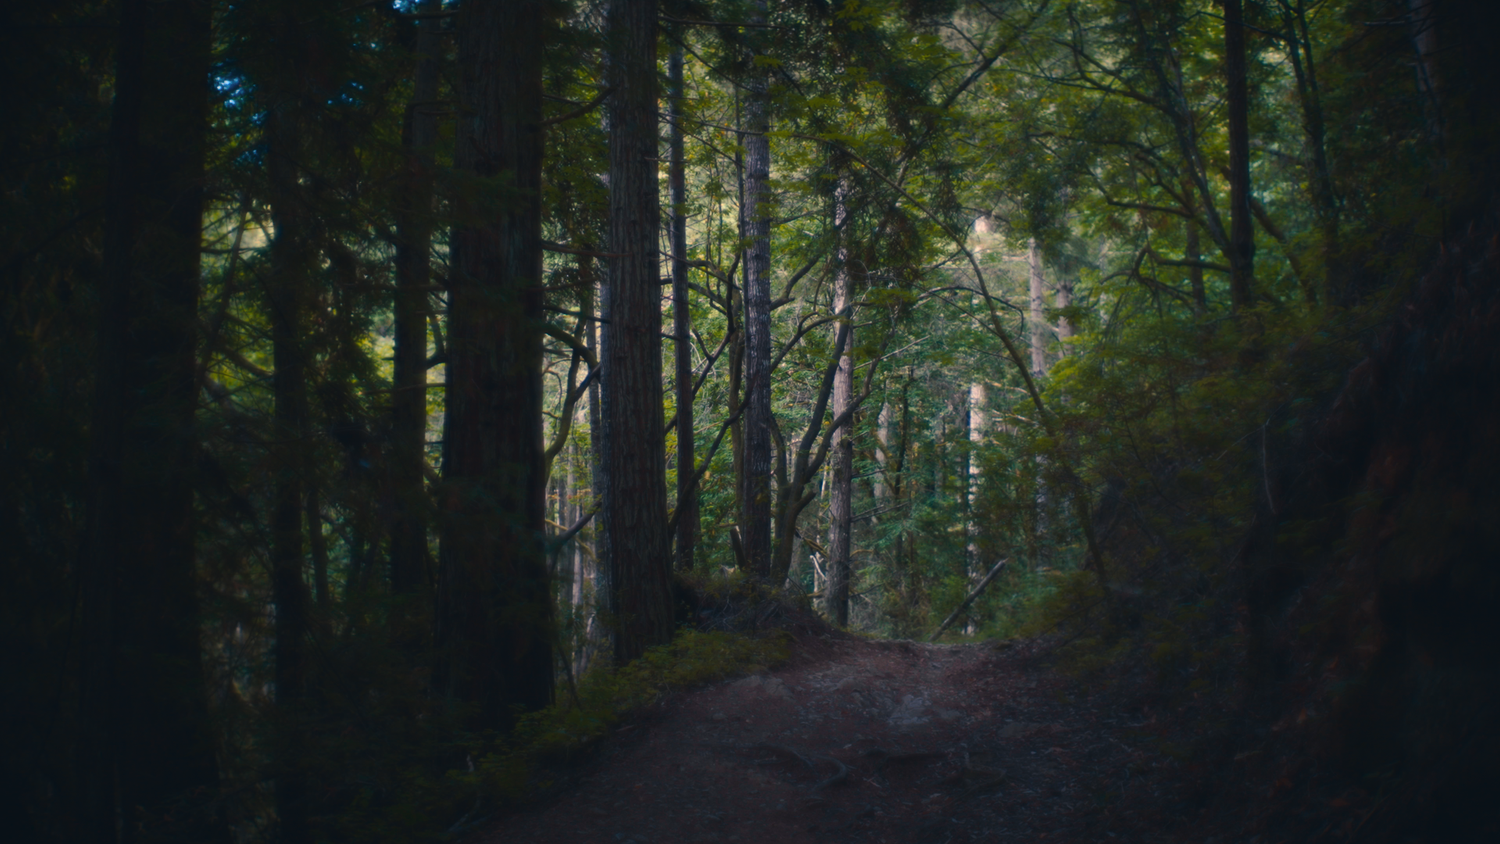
(375, 374)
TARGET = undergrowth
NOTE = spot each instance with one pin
(497, 772)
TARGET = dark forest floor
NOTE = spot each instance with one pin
(888, 741)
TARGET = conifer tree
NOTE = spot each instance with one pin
(495, 610)
(636, 513)
(146, 766)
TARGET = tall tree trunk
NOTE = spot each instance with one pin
(841, 497)
(495, 602)
(146, 760)
(318, 544)
(687, 491)
(413, 275)
(979, 427)
(1038, 315)
(1038, 323)
(639, 549)
(292, 258)
(597, 341)
(755, 228)
(1241, 232)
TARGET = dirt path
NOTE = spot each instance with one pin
(859, 741)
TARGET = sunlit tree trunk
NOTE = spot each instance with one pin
(979, 426)
(147, 769)
(413, 275)
(1037, 315)
(495, 603)
(755, 228)
(841, 450)
(637, 519)
(596, 338)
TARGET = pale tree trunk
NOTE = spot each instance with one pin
(1062, 298)
(756, 230)
(637, 521)
(687, 491)
(574, 511)
(597, 340)
(841, 500)
(414, 224)
(495, 620)
(1038, 315)
(979, 426)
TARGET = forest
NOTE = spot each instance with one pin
(398, 399)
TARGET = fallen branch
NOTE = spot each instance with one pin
(967, 601)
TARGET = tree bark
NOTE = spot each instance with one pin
(495, 602)
(414, 226)
(637, 521)
(597, 342)
(1038, 314)
(756, 230)
(1241, 232)
(1062, 299)
(979, 428)
(687, 490)
(292, 256)
(841, 496)
(146, 762)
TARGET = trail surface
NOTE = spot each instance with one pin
(866, 741)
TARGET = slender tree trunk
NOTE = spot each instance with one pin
(841, 498)
(146, 763)
(494, 602)
(413, 275)
(756, 231)
(1241, 231)
(687, 491)
(292, 257)
(318, 544)
(1038, 315)
(979, 427)
(639, 544)
(1039, 327)
(736, 399)
(597, 340)
(572, 512)
(1193, 253)
(1320, 176)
